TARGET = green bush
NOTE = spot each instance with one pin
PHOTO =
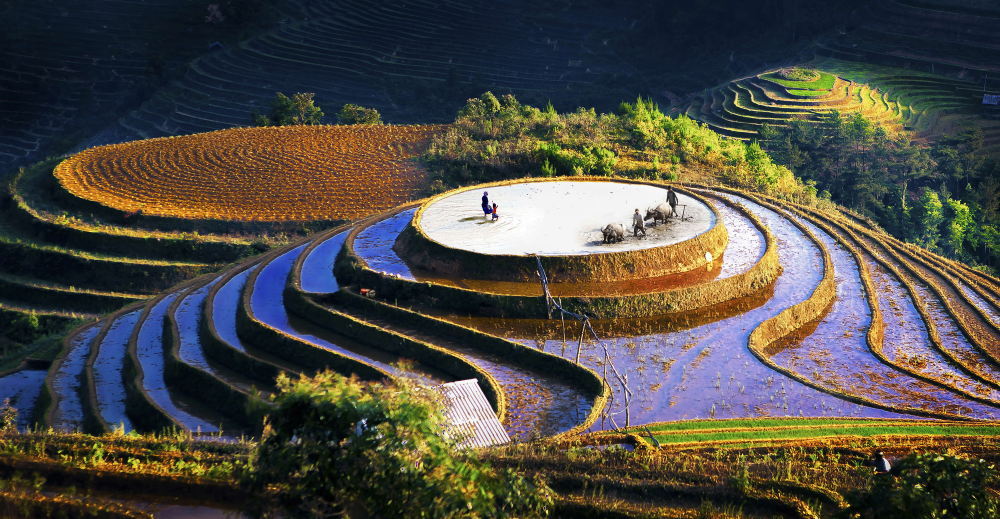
(298, 109)
(354, 114)
(929, 486)
(335, 446)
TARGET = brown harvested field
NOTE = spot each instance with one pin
(288, 173)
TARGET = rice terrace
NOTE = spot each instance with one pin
(329, 258)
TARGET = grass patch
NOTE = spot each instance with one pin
(812, 93)
(823, 82)
(693, 425)
(835, 430)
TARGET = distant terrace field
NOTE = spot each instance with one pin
(293, 173)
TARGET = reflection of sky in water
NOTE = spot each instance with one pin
(836, 355)
(746, 243)
(317, 269)
(224, 306)
(991, 312)
(267, 302)
(188, 317)
(149, 347)
(21, 390)
(68, 380)
(108, 370)
(906, 339)
(707, 371)
(374, 245)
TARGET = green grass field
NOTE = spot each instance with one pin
(824, 82)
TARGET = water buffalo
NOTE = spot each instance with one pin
(659, 213)
(614, 233)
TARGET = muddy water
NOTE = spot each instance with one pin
(707, 371)
(991, 311)
(316, 275)
(907, 341)
(952, 338)
(149, 349)
(746, 246)
(836, 355)
(557, 218)
(67, 382)
(108, 371)
(20, 390)
(224, 306)
(267, 304)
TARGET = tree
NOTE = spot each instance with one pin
(335, 446)
(298, 109)
(959, 227)
(354, 114)
(929, 486)
(929, 215)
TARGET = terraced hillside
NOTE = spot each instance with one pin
(66, 258)
(923, 103)
(69, 69)
(395, 58)
(852, 324)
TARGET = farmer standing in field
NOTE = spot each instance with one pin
(487, 210)
(638, 226)
(672, 200)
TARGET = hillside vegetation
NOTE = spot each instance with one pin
(496, 138)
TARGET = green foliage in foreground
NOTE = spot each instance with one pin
(298, 109)
(499, 138)
(354, 114)
(929, 486)
(333, 445)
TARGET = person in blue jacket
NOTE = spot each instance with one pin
(487, 210)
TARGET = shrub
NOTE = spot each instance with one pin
(929, 486)
(298, 109)
(354, 114)
(335, 446)
(798, 74)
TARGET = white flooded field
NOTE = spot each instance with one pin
(558, 218)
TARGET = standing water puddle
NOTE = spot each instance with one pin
(268, 306)
(20, 390)
(316, 274)
(67, 381)
(149, 349)
(836, 355)
(107, 370)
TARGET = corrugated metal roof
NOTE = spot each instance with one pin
(471, 419)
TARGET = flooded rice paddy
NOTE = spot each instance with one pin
(150, 351)
(67, 381)
(107, 369)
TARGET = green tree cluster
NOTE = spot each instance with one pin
(355, 114)
(929, 486)
(334, 446)
(944, 197)
(300, 108)
(496, 138)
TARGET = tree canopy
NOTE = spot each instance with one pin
(300, 108)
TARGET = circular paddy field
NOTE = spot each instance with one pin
(556, 218)
(285, 173)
